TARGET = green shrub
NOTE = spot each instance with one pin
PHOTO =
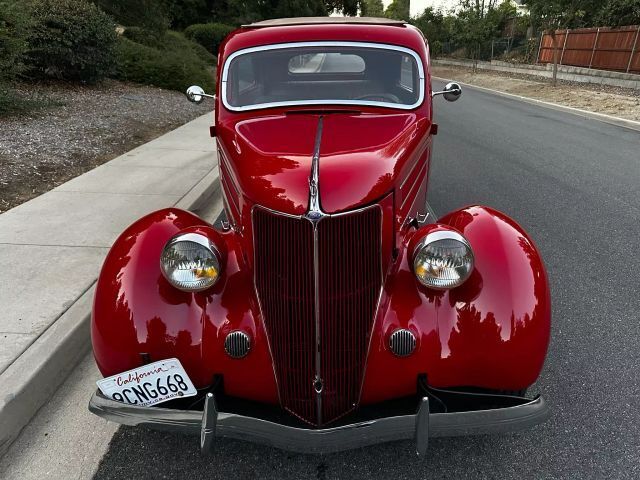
(171, 69)
(144, 37)
(70, 39)
(183, 13)
(178, 42)
(209, 35)
(168, 41)
(13, 43)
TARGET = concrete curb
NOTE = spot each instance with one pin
(40, 370)
(620, 122)
(201, 192)
(34, 376)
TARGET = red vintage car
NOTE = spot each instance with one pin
(328, 308)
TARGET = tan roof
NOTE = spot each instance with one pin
(279, 22)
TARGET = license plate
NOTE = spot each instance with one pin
(154, 383)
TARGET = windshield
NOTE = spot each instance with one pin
(319, 73)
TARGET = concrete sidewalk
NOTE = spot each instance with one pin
(52, 248)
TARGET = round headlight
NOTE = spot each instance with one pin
(443, 260)
(190, 262)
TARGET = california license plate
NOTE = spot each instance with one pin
(154, 383)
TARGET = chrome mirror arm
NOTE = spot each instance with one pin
(442, 92)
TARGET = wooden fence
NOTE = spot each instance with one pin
(603, 48)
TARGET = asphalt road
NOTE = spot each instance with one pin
(574, 184)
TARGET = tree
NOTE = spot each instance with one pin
(371, 8)
(346, 7)
(479, 21)
(551, 15)
(152, 15)
(220, 12)
(256, 10)
(616, 13)
(182, 13)
(399, 10)
(435, 28)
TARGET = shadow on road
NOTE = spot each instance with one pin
(141, 453)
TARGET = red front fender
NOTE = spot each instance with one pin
(492, 332)
(137, 311)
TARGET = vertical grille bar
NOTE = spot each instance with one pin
(284, 281)
(349, 277)
(350, 281)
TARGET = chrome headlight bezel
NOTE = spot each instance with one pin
(202, 242)
(464, 271)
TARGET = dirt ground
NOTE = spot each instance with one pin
(81, 128)
(619, 102)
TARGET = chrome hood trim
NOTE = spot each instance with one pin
(314, 213)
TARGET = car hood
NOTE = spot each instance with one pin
(362, 156)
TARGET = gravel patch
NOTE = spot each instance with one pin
(616, 101)
(81, 128)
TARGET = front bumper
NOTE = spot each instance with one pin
(422, 425)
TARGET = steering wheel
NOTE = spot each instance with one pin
(379, 97)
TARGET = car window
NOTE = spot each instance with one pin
(406, 74)
(332, 62)
(323, 73)
(246, 76)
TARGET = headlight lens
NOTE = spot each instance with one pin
(190, 262)
(443, 260)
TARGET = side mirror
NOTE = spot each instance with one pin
(452, 92)
(196, 94)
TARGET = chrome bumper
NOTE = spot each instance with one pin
(211, 423)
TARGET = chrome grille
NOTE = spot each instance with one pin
(349, 277)
(284, 281)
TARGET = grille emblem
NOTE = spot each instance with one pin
(402, 342)
(318, 385)
(237, 344)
